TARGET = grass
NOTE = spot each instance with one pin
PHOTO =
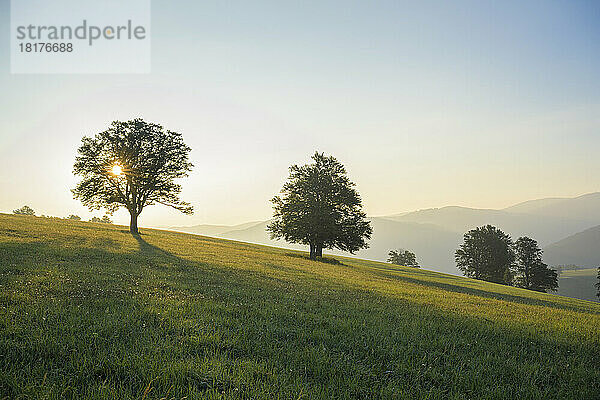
(90, 311)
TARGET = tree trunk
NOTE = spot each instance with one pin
(319, 251)
(133, 227)
(312, 251)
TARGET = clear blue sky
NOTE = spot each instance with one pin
(472, 103)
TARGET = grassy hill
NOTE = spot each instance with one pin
(89, 311)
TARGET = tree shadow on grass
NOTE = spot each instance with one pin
(480, 292)
(155, 251)
(326, 260)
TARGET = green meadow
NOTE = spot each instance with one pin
(90, 311)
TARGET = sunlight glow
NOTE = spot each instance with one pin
(117, 169)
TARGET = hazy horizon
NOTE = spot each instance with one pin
(428, 105)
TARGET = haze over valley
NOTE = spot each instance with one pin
(567, 228)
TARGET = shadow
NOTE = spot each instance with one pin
(480, 292)
(325, 260)
(151, 250)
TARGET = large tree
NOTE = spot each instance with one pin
(532, 272)
(486, 254)
(320, 207)
(132, 164)
(403, 257)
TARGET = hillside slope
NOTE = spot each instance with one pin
(90, 311)
(581, 249)
(433, 245)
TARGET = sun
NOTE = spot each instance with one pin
(117, 169)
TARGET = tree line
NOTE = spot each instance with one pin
(26, 210)
(135, 164)
(491, 255)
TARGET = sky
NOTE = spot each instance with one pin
(472, 103)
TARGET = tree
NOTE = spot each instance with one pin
(486, 254)
(103, 220)
(320, 207)
(25, 210)
(132, 164)
(403, 257)
(598, 283)
(532, 272)
(74, 217)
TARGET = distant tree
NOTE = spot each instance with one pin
(486, 254)
(25, 210)
(74, 217)
(106, 220)
(598, 283)
(96, 220)
(320, 207)
(403, 257)
(532, 272)
(132, 164)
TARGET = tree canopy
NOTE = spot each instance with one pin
(25, 210)
(320, 207)
(486, 254)
(532, 272)
(403, 257)
(132, 164)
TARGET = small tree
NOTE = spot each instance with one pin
(532, 272)
(320, 208)
(25, 210)
(486, 254)
(106, 220)
(74, 217)
(132, 164)
(96, 220)
(403, 257)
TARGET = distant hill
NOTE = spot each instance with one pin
(581, 249)
(534, 205)
(434, 234)
(578, 284)
(212, 230)
(544, 228)
(585, 208)
(433, 245)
